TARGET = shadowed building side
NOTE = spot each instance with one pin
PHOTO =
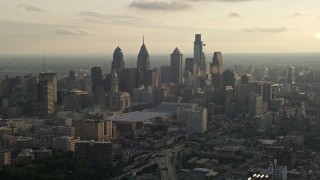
(177, 66)
(117, 62)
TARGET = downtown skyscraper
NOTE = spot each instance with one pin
(199, 61)
(143, 58)
(117, 62)
(177, 66)
(217, 69)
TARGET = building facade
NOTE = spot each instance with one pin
(217, 69)
(96, 78)
(43, 95)
(117, 62)
(177, 66)
(196, 122)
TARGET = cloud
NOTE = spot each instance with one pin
(297, 14)
(91, 16)
(267, 29)
(234, 14)
(160, 5)
(29, 7)
(71, 32)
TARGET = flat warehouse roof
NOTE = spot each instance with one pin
(137, 116)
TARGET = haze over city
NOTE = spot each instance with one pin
(98, 26)
(160, 89)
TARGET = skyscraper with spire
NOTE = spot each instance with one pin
(143, 57)
(117, 62)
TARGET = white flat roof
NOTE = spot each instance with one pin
(138, 116)
(164, 109)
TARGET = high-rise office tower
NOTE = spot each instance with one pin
(117, 62)
(246, 79)
(267, 91)
(196, 121)
(165, 74)
(54, 77)
(128, 79)
(143, 58)
(96, 78)
(228, 78)
(114, 81)
(291, 77)
(106, 81)
(152, 77)
(86, 84)
(217, 69)
(43, 95)
(177, 66)
(199, 58)
(226, 96)
(189, 65)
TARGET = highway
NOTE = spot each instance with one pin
(166, 167)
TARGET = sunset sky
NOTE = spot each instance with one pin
(99, 26)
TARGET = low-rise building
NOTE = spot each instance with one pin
(5, 158)
(65, 143)
(24, 142)
(26, 156)
(42, 153)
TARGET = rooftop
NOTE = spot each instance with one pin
(138, 116)
(164, 109)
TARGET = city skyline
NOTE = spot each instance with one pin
(231, 26)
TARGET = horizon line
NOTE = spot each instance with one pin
(135, 54)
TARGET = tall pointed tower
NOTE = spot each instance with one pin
(117, 62)
(143, 57)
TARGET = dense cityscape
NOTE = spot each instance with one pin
(189, 119)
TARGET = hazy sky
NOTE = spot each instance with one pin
(99, 26)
